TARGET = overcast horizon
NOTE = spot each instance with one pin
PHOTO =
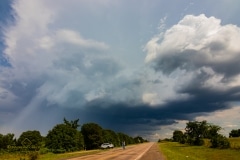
(142, 67)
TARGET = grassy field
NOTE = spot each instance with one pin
(176, 151)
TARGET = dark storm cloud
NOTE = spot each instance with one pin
(134, 119)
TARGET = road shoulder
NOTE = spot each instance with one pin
(153, 154)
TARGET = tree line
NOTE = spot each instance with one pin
(66, 137)
(196, 132)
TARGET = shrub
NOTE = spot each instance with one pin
(43, 151)
(59, 151)
(195, 141)
(33, 155)
(220, 141)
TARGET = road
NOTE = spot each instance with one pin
(145, 151)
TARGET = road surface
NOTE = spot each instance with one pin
(145, 151)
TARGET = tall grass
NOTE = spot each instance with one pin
(52, 156)
(47, 156)
(235, 143)
(13, 156)
(177, 151)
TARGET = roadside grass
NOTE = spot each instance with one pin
(52, 156)
(177, 151)
(47, 156)
(12, 156)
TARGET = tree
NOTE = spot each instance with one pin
(126, 138)
(92, 134)
(235, 133)
(65, 137)
(110, 137)
(30, 139)
(177, 135)
(6, 140)
(219, 141)
(74, 124)
(213, 131)
(196, 131)
(138, 139)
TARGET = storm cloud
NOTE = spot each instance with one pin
(98, 69)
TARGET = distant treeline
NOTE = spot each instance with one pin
(195, 133)
(66, 137)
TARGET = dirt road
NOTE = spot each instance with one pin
(145, 151)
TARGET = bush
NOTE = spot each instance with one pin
(195, 141)
(183, 140)
(43, 151)
(33, 155)
(59, 151)
(220, 141)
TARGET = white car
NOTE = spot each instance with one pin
(107, 145)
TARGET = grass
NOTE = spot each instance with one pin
(52, 156)
(13, 156)
(177, 151)
(235, 143)
(48, 156)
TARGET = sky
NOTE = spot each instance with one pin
(141, 67)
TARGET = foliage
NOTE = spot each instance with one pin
(178, 136)
(6, 140)
(110, 136)
(74, 124)
(220, 141)
(234, 133)
(34, 138)
(43, 150)
(33, 155)
(92, 134)
(139, 139)
(126, 138)
(195, 132)
(64, 137)
(212, 131)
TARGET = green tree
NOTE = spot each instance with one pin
(61, 137)
(220, 141)
(196, 131)
(92, 134)
(178, 136)
(30, 139)
(234, 133)
(124, 137)
(6, 140)
(138, 139)
(74, 124)
(110, 137)
(213, 131)
(64, 137)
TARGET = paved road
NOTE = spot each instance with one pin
(135, 152)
